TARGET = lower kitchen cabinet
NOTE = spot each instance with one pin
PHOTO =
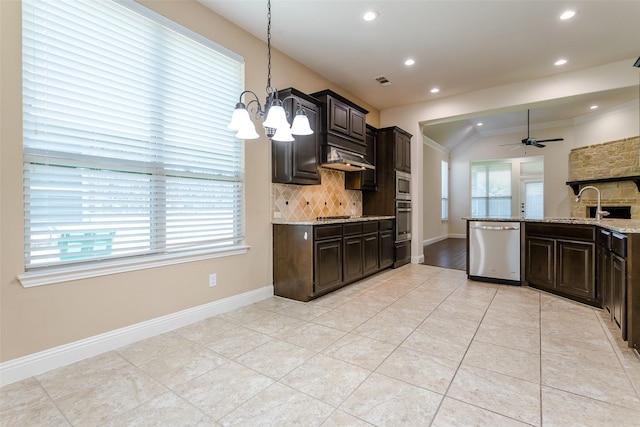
(612, 276)
(561, 259)
(312, 260)
(328, 264)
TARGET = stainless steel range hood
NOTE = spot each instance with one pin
(344, 160)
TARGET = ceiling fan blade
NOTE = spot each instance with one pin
(505, 145)
(550, 140)
(517, 147)
(535, 144)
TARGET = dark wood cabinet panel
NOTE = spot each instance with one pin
(618, 293)
(387, 240)
(402, 152)
(343, 122)
(576, 270)
(371, 243)
(328, 264)
(541, 262)
(352, 264)
(298, 162)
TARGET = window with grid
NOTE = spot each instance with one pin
(444, 190)
(126, 150)
(491, 190)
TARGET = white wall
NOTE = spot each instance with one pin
(434, 229)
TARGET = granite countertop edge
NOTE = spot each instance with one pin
(619, 225)
(332, 221)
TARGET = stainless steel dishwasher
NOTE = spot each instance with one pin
(494, 251)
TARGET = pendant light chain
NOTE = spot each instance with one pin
(269, 90)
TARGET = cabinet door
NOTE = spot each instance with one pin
(370, 259)
(353, 249)
(618, 293)
(402, 152)
(306, 148)
(541, 266)
(576, 268)
(603, 268)
(357, 124)
(339, 117)
(327, 264)
(298, 162)
(369, 176)
(386, 248)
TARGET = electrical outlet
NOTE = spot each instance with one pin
(212, 280)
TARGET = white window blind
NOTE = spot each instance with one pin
(491, 190)
(444, 190)
(126, 150)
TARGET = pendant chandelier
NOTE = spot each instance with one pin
(276, 126)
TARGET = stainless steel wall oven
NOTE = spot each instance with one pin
(403, 220)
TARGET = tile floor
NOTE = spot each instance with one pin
(416, 346)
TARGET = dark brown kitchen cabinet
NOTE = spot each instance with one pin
(618, 293)
(561, 259)
(612, 276)
(576, 269)
(540, 261)
(387, 244)
(312, 260)
(353, 251)
(364, 180)
(343, 122)
(402, 157)
(297, 162)
(327, 264)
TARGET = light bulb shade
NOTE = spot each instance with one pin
(240, 118)
(247, 132)
(276, 116)
(283, 134)
(300, 124)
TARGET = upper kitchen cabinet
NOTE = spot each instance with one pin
(402, 148)
(364, 180)
(343, 123)
(297, 162)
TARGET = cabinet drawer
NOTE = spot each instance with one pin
(619, 244)
(370, 227)
(350, 229)
(327, 231)
(568, 231)
(604, 238)
(386, 224)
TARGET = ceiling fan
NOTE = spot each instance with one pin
(536, 142)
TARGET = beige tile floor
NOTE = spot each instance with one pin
(416, 346)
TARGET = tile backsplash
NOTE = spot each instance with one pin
(306, 202)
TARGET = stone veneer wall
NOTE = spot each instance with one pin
(608, 160)
(306, 202)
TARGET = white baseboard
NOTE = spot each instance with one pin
(43, 361)
(440, 238)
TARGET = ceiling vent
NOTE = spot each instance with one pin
(383, 81)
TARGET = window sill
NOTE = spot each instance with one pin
(66, 274)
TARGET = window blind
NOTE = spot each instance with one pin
(126, 150)
(491, 190)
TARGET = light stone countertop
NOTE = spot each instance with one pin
(331, 221)
(619, 225)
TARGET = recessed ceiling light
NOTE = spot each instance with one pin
(371, 15)
(409, 62)
(560, 62)
(479, 124)
(594, 107)
(567, 15)
(435, 90)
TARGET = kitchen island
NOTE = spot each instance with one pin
(314, 257)
(596, 262)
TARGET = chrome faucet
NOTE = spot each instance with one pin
(599, 212)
